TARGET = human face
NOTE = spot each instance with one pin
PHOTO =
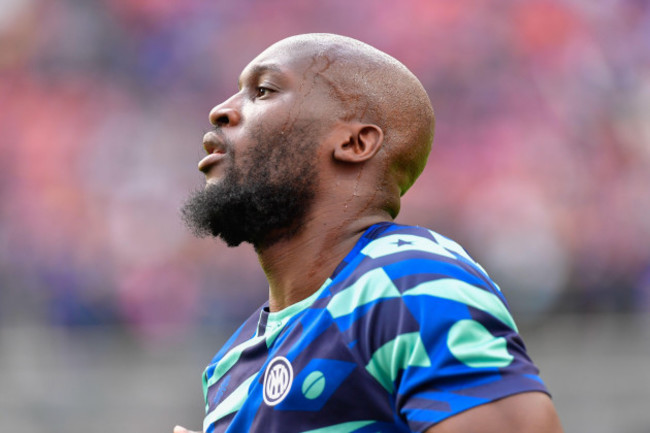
(278, 96)
(261, 167)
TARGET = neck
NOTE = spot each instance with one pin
(298, 266)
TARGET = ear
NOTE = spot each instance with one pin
(359, 143)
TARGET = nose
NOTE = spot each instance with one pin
(225, 114)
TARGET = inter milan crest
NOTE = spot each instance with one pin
(277, 380)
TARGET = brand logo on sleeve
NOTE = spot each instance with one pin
(277, 380)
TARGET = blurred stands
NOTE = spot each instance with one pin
(541, 163)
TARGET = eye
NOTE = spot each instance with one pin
(261, 92)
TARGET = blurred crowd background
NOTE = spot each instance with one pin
(540, 165)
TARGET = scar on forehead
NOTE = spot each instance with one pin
(321, 62)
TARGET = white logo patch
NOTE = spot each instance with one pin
(278, 378)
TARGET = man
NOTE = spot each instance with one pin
(370, 326)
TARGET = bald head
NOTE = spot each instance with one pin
(372, 87)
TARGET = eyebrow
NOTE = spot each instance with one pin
(258, 70)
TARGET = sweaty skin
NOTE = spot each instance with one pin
(373, 126)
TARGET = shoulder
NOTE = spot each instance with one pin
(404, 269)
(407, 256)
(404, 242)
(426, 320)
(411, 287)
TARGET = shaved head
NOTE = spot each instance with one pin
(372, 87)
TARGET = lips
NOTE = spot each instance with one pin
(210, 160)
(215, 148)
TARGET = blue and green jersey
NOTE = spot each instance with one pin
(407, 332)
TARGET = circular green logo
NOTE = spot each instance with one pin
(313, 385)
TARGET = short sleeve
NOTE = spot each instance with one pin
(447, 343)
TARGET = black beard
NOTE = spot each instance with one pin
(263, 206)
